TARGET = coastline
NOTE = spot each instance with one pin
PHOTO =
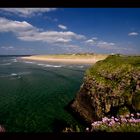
(64, 60)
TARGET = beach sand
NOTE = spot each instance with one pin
(64, 60)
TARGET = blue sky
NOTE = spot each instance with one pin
(69, 30)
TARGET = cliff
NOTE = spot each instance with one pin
(110, 87)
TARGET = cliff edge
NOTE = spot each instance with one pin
(110, 87)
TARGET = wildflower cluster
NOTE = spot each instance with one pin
(2, 129)
(128, 123)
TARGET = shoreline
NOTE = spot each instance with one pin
(64, 60)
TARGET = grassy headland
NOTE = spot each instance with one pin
(111, 89)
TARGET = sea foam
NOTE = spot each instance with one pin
(47, 65)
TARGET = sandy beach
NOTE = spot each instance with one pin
(64, 60)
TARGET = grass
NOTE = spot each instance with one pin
(114, 64)
(128, 123)
(113, 69)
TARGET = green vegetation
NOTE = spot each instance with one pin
(115, 64)
(126, 123)
(111, 88)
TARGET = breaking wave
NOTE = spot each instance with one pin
(47, 65)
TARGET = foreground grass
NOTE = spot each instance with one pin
(128, 123)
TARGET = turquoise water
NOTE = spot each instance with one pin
(33, 95)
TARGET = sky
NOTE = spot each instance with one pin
(26, 31)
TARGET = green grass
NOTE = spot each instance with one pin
(115, 64)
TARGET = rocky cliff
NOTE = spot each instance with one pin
(110, 87)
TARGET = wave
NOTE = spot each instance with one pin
(80, 66)
(14, 60)
(13, 74)
(29, 62)
(47, 65)
(18, 75)
(24, 73)
(5, 64)
(76, 66)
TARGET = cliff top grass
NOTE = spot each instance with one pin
(115, 68)
(114, 64)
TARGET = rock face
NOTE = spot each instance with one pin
(110, 87)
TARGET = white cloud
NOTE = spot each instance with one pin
(91, 41)
(7, 47)
(50, 36)
(94, 38)
(101, 44)
(62, 27)
(133, 34)
(27, 12)
(72, 48)
(106, 45)
(27, 32)
(14, 26)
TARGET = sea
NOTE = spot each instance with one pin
(34, 94)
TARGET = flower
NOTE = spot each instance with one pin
(138, 114)
(132, 115)
(116, 119)
(112, 117)
(104, 120)
(127, 116)
(2, 129)
(123, 120)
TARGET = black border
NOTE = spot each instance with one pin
(70, 3)
(70, 136)
(66, 4)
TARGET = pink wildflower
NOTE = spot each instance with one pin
(127, 116)
(123, 120)
(138, 114)
(112, 117)
(104, 120)
(116, 119)
(2, 129)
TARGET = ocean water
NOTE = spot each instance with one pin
(33, 95)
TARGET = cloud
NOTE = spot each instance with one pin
(106, 45)
(91, 41)
(133, 34)
(62, 27)
(14, 26)
(27, 32)
(72, 48)
(110, 46)
(101, 44)
(50, 36)
(7, 47)
(27, 12)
